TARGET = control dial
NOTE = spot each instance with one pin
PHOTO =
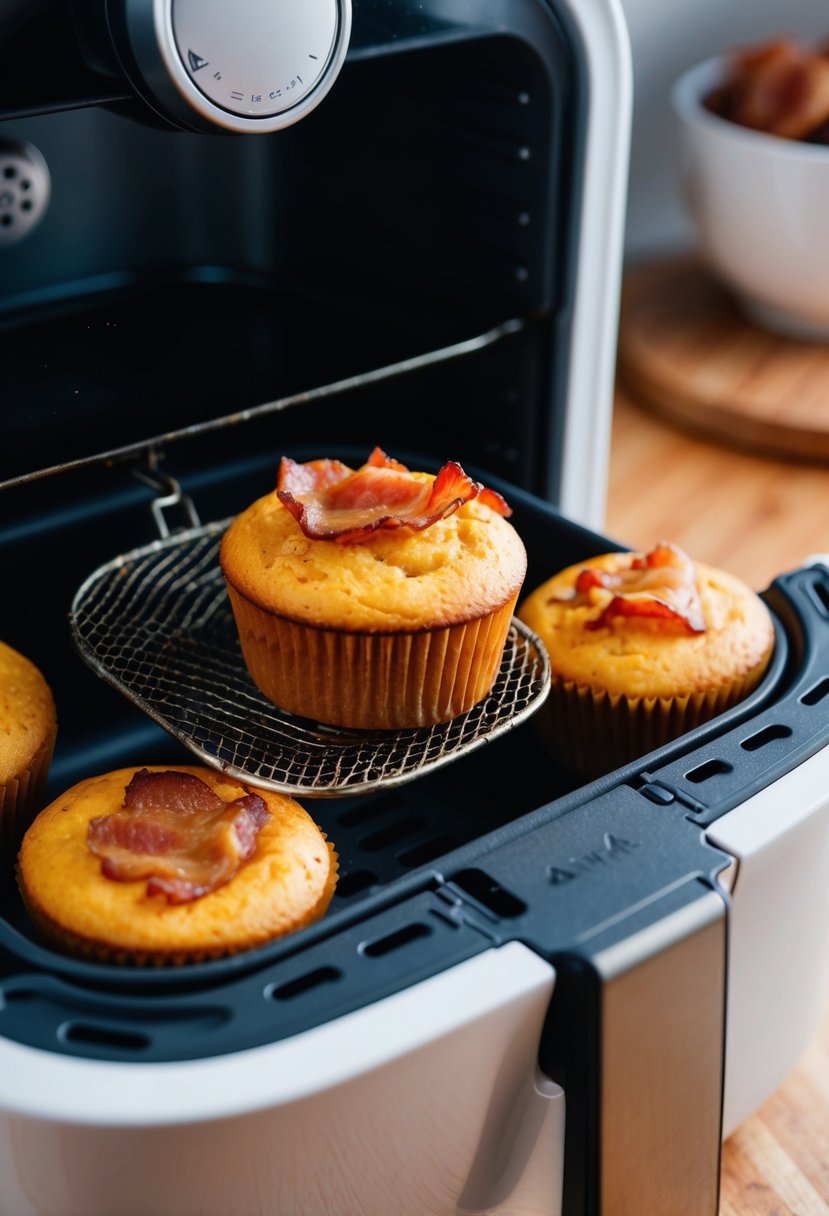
(241, 65)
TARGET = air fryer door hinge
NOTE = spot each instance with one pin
(476, 899)
(463, 911)
(663, 793)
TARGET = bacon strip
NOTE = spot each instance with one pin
(660, 585)
(330, 501)
(177, 833)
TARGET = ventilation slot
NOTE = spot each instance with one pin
(712, 768)
(396, 941)
(816, 694)
(16, 996)
(490, 894)
(820, 594)
(354, 883)
(436, 846)
(391, 834)
(103, 1036)
(304, 983)
(763, 737)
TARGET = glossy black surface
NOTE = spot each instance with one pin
(179, 278)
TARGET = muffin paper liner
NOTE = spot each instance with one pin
(23, 796)
(371, 681)
(591, 732)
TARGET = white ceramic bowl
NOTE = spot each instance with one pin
(761, 206)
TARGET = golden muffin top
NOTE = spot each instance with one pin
(652, 656)
(459, 568)
(27, 713)
(285, 884)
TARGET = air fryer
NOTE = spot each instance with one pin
(530, 993)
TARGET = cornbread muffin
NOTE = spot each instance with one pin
(28, 726)
(284, 884)
(389, 624)
(643, 648)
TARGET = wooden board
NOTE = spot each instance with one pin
(752, 515)
(687, 351)
(756, 517)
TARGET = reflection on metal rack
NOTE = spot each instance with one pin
(156, 623)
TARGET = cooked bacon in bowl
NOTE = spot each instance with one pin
(779, 87)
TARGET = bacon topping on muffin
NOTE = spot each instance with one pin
(176, 832)
(330, 501)
(660, 585)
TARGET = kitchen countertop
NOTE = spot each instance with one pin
(756, 517)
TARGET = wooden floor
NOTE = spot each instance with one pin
(756, 517)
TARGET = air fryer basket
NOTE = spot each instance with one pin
(421, 883)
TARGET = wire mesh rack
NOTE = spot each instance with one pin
(156, 623)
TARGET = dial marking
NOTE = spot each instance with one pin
(259, 55)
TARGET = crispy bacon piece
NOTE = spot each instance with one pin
(660, 585)
(779, 87)
(330, 501)
(177, 833)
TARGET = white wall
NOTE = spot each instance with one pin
(666, 37)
